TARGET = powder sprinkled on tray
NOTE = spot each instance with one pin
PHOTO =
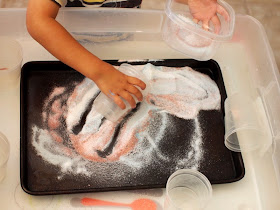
(80, 141)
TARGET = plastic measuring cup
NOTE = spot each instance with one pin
(106, 106)
(243, 129)
(187, 189)
(10, 62)
(4, 155)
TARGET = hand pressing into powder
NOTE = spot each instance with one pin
(115, 84)
(206, 11)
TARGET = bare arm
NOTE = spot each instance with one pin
(182, 1)
(43, 27)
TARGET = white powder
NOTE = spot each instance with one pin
(186, 41)
(82, 95)
(195, 153)
(134, 60)
(51, 152)
(98, 38)
(148, 144)
(186, 94)
(180, 92)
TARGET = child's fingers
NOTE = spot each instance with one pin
(119, 101)
(126, 96)
(135, 91)
(223, 12)
(195, 20)
(217, 24)
(205, 25)
(136, 81)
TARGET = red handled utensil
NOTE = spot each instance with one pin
(138, 204)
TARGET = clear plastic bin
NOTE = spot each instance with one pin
(258, 189)
(182, 34)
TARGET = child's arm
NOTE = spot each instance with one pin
(43, 27)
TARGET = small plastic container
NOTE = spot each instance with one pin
(10, 63)
(181, 33)
(244, 131)
(187, 189)
(106, 106)
(4, 155)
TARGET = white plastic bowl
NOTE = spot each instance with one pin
(182, 34)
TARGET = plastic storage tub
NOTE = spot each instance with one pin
(247, 56)
(182, 34)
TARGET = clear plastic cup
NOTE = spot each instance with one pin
(243, 128)
(182, 34)
(106, 106)
(187, 189)
(10, 63)
(4, 155)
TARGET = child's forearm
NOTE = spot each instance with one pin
(43, 27)
(49, 33)
(182, 1)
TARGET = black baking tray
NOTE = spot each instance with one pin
(39, 177)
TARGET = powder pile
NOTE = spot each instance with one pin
(191, 38)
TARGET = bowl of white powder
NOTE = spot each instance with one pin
(184, 35)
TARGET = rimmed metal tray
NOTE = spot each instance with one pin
(43, 176)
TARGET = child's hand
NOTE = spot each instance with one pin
(207, 10)
(115, 84)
